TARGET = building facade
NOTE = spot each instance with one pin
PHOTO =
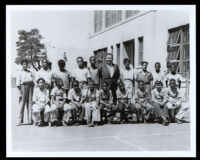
(153, 36)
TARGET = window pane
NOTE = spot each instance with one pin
(185, 35)
(186, 52)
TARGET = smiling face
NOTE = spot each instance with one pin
(45, 63)
(92, 61)
(104, 86)
(173, 69)
(25, 65)
(127, 64)
(157, 67)
(80, 62)
(41, 84)
(76, 86)
(144, 66)
(158, 87)
(109, 59)
(141, 85)
(122, 87)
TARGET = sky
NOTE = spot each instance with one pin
(61, 28)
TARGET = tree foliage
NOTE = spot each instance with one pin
(29, 47)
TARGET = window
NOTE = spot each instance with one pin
(140, 50)
(100, 56)
(178, 49)
(131, 13)
(98, 21)
(113, 17)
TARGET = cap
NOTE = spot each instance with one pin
(144, 62)
(158, 82)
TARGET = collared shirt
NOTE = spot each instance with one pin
(127, 74)
(90, 96)
(40, 96)
(65, 76)
(105, 96)
(177, 77)
(59, 95)
(124, 97)
(94, 73)
(142, 96)
(111, 70)
(81, 75)
(72, 95)
(173, 97)
(158, 77)
(146, 77)
(47, 75)
(23, 77)
(158, 96)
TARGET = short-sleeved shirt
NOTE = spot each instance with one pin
(59, 95)
(88, 95)
(158, 77)
(145, 77)
(158, 96)
(177, 77)
(94, 73)
(23, 77)
(173, 97)
(39, 96)
(65, 76)
(105, 96)
(124, 97)
(142, 96)
(72, 95)
(127, 74)
(47, 75)
(81, 75)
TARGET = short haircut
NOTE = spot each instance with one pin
(91, 81)
(121, 83)
(44, 59)
(104, 82)
(61, 61)
(93, 57)
(157, 63)
(75, 82)
(172, 81)
(24, 60)
(79, 58)
(39, 79)
(58, 80)
(158, 82)
(126, 59)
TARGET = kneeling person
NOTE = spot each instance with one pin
(159, 103)
(40, 103)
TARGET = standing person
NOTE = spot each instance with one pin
(81, 74)
(145, 111)
(108, 109)
(159, 103)
(94, 72)
(158, 75)
(46, 74)
(24, 83)
(41, 103)
(173, 75)
(127, 75)
(145, 76)
(63, 74)
(124, 104)
(174, 102)
(58, 99)
(110, 74)
(91, 104)
(75, 106)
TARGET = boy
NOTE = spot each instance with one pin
(124, 102)
(75, 105)
(143, 107)
(92, 109)
(174, 102)
(94, 72)
(159, 101)
(40, 103)
(58, 98)
(158, 75)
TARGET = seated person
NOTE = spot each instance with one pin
(40, 103)
(75, 105)
(159, 101)
(144, 110)
(174, 102)
(124, 104)
(106, 103)
(58, 99)
(91, 104)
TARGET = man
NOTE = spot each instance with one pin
(81, 74)
(94, 72)
(158, 75)
(46, 74)
(24, 83)
(63, 74)
(110, 74)
(173, 75)
(174, 102)
(145, 76)
(159, 103)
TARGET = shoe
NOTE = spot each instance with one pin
(49, 124)
(178, 121)
(76, 124)
(35, 124)
(63, 123)
(18, 124)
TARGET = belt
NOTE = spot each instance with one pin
(26, 83)
(128, 80)
(83, 82)
(147, 83)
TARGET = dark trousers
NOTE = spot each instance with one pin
(160, 111)
(172, 112)
(123, 113)
(108, 112)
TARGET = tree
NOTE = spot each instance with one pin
(29, 47)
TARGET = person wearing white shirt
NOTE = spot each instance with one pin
(158, 75)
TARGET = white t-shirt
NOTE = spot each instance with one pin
(127, 74)
(111, 70)
(81, 75)
(46, 75)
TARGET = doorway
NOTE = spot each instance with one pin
(129, 47)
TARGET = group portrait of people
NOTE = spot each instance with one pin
(100, 95)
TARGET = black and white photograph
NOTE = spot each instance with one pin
(101, 80)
